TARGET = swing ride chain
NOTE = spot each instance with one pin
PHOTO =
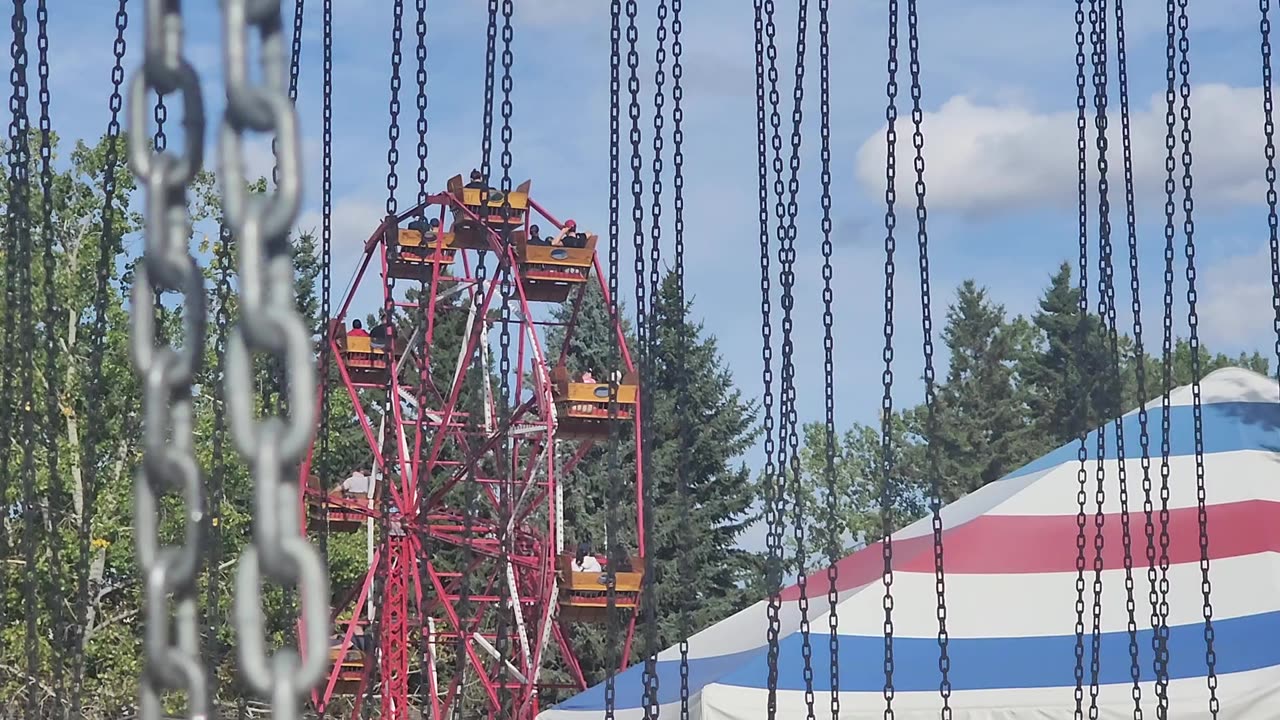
(1160, 619)
(490, 61)
(1082, 410)
(97, 350)
(648, 598)
(886, 402)
(1098, 36)
(424, 175)
(789, 438)
(221, 321)
(772, 571)
(615, 477)
(926, 325)
(14, 265)
(20, 273)
(1269, 128)
(169, 462)
(505, 464)
(1188, 206)
(1122, 65)
(326, 252)
(53, 410)
(828, 362)
(269, 322)
(682, 411)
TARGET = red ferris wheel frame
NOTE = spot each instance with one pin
(399, 559)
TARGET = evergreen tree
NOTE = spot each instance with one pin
(1061, 369)
(721, 493)
(981, 415)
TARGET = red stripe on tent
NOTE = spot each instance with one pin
(1012, 544)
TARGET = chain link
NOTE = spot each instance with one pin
(887, 498)
(1098, 37)
(1082, 409)
(788, 435)
(169, 463)
(19, 211)
(1269, 128)
(1193, 340)
(1122, 68)
(612, 629)
(683, 418)
(424, 176)
(505, 271)
(490, 62)
(770, 480)
(648, 595)
(326, 255)
(19, 128)
(269, 321)
(834, 523)
(53, 410)
(926, 320)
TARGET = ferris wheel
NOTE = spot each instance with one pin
(470, 591)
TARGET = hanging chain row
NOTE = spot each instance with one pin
(612, 625)
(1144, 439)
(169, 463)
(828, 357)
(1082, 407)
(269, 322)
(886, 460)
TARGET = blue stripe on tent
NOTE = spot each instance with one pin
(630, 684)
(1241, 644)
(1228, 427)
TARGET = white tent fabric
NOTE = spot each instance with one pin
(1010, 558)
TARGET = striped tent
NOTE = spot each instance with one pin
(1011, 553)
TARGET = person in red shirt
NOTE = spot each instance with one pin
(357, 329)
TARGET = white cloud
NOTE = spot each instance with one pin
(986, 159)
(1235, 301)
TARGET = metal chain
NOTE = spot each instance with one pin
(828, 356)
(1098, 36)
(926, 326)
(1188, 226)
(295, 56)
(1269, 128)
(1082, 409)
(490, 62)
(53, 388)
(612, 629)
(886, 401)
(1122, 67)
(505, 271)
(19, 211)
(424, 175)
(1160, 638)
(425, 306)
(19, 146)
(685, 627)
(769, 479)
(788, 437)
(269, 322)
(222, 259)
(169, 463)
(393, 128)
(326, 254)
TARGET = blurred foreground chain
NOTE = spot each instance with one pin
(169, 463)
(269, 323)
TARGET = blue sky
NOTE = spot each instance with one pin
(1000, 141)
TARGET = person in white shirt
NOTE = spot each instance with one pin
(584, 561)
(356, 484)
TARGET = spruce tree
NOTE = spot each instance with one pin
(981, 414)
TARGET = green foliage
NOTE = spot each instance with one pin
(1012, 392)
